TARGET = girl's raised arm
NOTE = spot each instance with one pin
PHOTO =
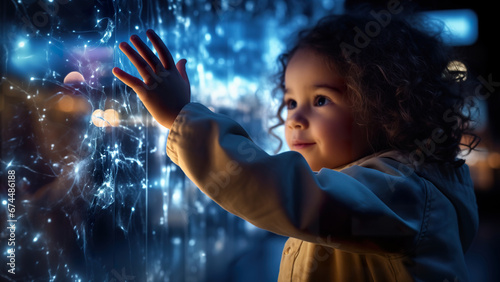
(358, 211)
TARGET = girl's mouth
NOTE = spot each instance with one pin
(300, 145)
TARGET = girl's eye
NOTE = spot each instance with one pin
(321, 101)
(290, 104)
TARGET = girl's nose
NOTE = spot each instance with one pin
(297, 121)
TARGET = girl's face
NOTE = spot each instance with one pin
(319, 122)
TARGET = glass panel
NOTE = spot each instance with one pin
(93, 195)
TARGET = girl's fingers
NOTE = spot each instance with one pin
(146, 53)
(181, 67)
(142, 66)
(131, 81)
(163, 53)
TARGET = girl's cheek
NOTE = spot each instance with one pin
(287, 135)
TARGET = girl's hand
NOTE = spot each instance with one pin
(164, 89)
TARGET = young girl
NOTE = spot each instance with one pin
(372, 189)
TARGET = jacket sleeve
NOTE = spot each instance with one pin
(280, 193)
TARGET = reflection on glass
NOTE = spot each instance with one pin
(96, 196)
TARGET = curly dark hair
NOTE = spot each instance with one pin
(399, 80)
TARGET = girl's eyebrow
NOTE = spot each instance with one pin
(328, 86)
(331, 87)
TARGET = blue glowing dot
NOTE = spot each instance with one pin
(461, 26)
(208, 37)
(249, 6)
(136, 27)
(219, 30)
(176, 197)
(21, 44)
(199, 67)
(4, 202)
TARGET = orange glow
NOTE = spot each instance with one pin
(494, 160)
(98, 118)
(112, 117)
(105, 118)
(74, 77)
(66, 104)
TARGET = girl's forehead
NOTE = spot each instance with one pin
(307, 66)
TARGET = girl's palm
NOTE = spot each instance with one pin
(164, 89)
